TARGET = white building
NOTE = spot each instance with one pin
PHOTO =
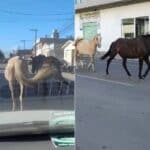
(51, 46)
(69, 50)
(111, 19)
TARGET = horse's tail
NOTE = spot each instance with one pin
(109, 51)
(77, 41)
(106, 54)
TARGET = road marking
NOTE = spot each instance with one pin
(107, 80)
(118, 62)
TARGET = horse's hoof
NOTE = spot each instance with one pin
(144, 76)
(141, 78)
(107, 74)
(129, 77)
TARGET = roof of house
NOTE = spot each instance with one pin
(90, 5)
(24, 51)
(67, 43)
(52, 40)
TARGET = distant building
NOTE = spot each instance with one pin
(69, 52)
(51, 46)
(24, 53)
(111, 19)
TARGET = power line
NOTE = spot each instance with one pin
(24, 43)
(66, 28)
(35, 31)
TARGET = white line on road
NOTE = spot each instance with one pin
(117, 62)
(107, 80)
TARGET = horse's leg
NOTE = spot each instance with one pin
(81, 63)
(124, 64)
(140, 68)
(21, 95)
(45, 88)
(148, 66)
(78, 61)
(92, 64)
(62, 80)
(12, 95)
(109, 61)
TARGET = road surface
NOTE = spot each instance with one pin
(112, 112)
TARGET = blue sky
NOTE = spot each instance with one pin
(17, 17)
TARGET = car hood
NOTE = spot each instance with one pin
(36, 122)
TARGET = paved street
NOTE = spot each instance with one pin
(112, 112)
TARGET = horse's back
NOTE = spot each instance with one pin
(86, 47)
(130, 48)
(10, 68)
(15, 66)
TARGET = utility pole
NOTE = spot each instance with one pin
(35, 32)
(24, 43)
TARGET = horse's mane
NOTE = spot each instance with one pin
(77, 41)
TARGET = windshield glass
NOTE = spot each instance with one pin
(37, 70)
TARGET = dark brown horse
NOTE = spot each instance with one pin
(130, 48)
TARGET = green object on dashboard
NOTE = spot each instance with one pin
(63, 142)
(62, 121)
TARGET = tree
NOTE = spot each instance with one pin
(2, 56)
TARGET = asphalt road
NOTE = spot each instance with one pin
(112, 112)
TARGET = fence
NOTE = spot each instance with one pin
(44, 88)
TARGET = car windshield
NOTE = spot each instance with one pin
(37, 75)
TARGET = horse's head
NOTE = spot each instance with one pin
(36, 62)
(97, 40)
(33, 64)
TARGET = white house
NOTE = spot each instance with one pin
(69, 50)
(111, 19)
(51, 46)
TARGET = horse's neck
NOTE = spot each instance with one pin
(94, 43)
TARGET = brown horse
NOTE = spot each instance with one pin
(37, 62)
(41, 61)
(17, 70)
(130, 48)
(87, 47)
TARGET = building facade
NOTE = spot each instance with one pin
(111, 19)
(24, 53)
(69, 52)
(51, 46)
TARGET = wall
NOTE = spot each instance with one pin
(110, 21)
